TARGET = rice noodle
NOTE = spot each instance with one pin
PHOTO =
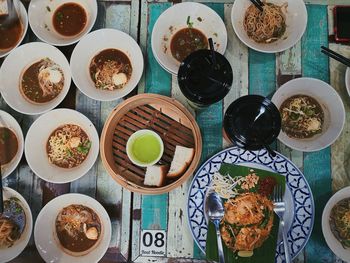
(266, 26)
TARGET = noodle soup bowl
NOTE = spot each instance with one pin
(91, 45)
(41, 12)
(36, 146)
(24, 20)
(6, 120)
(7, 254)
(332, 107)
(11, 74)
(296, 21)
(48, 244)
(330, 238)
(176, 18)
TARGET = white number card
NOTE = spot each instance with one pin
(153, 243)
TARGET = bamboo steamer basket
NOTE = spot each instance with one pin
(164, 115)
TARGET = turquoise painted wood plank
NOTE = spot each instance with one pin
(155, 208)
(262, 73)
(154, 212)
(317, 165)
(210, 123)
(157, 79)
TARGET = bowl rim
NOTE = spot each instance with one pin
(77, 198)
(74, 40)
(336, 197)
(164, 13)
(25, 19)
(133, 187)
(88, 167)
(347, 80)
(112, 31)
(29, 219)
(296, 40)
(342, 112)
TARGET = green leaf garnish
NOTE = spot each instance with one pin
(84, 147)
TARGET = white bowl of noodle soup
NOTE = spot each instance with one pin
(17, 63)
(36, 150)
(7, 254)
(295, 21)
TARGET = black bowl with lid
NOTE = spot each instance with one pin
(202, 81)
(252, 122)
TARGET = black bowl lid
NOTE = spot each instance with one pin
(241, 128)
(200, 81)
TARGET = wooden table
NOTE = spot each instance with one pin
(254, 73)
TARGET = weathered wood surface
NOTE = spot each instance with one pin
(255, 73)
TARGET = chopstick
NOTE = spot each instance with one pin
(335, 56)
(258, 4)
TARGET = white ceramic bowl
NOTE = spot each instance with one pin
(46, 241)
(8, 254)
(174, 19)
(136, 135)
(6, 120)
(296, 21)
(40, 20)
(36, 140)
(91, 45)
(24, 20)
(331, 240)
(19, 60)
(347, 80)
(331, 104)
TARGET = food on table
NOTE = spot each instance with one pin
(78, 229)
(302, 116)
(11, 230)
(8, 145)
(340, 222)
(182, 159)
(187, 40)
(10, 32)
(69, 19)
(247, 222)
(42, 81)
(267, 26)
(110, 69)
(68, 146)
(155, 175)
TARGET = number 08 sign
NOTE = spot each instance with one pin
(153, 243)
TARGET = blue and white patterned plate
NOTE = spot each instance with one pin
(299, 216)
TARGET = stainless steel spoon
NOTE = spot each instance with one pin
(215, 211)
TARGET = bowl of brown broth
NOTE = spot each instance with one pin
(13, 33)
(106, 64)
(183, 29)
(11, 143)
(312, 114)
(62, 23)
(35, 78)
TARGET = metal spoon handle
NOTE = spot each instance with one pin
(285, 244)
(219, 241)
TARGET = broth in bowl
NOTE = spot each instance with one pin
(78, 229)
(110, 69)
(68, 146)
(10, 33)
(8, 145)
(42, 81)
(69, 19)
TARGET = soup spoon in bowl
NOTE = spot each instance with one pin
(215, 211)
